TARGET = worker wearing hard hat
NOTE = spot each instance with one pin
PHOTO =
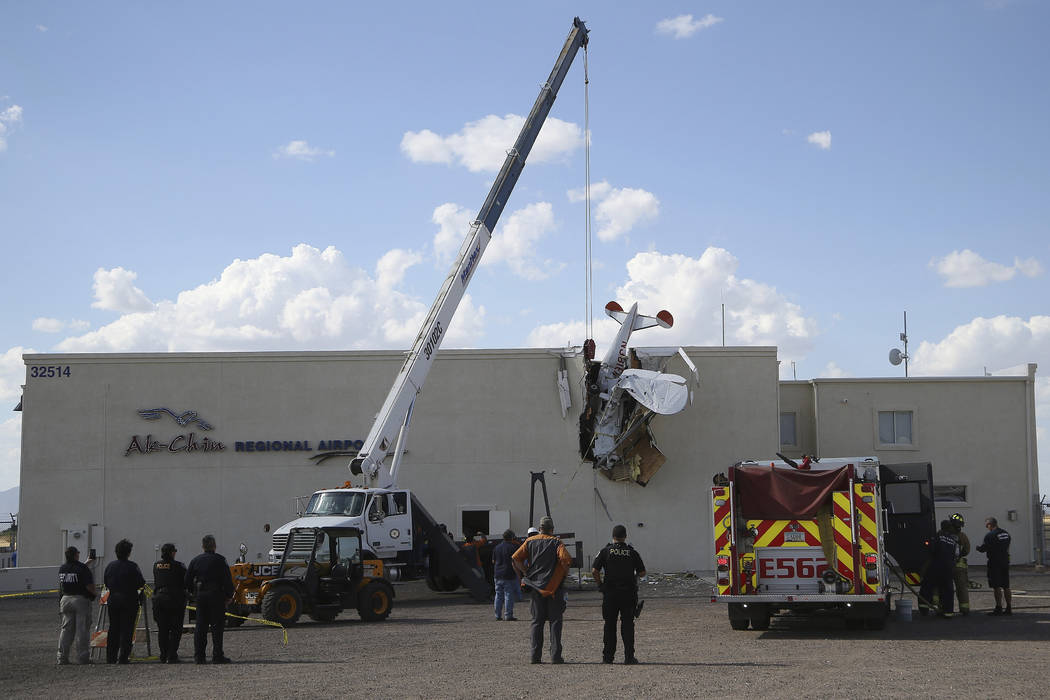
(961, 572)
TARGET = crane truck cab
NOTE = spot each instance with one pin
(383, 516)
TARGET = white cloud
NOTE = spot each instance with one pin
(617, 210)
(453, 222)
(693, 289)
(820, 139)
(310, 300)
(115, 291)
(9, 119)
(965, 268)
(482, 146)
(12, 377)
(55, 325)
(41, 28)
(832, 370)
(391, 267)
(1002, 341)
(515, 241)
(684, 26)
(301, 150)
(10, 452)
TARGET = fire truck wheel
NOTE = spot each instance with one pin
(282, 604)
(738, 617)
(375, 601)
(854, 623)
(760, 620)
(739, 623)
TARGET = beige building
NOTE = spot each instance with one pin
(166, 447)
(978, 432)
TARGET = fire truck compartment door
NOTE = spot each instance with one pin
(789, 570)
(911, 520)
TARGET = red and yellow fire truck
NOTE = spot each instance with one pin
(811, 536)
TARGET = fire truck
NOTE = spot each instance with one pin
(818, 536)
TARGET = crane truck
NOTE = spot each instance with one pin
(397, 531)
(818, 536)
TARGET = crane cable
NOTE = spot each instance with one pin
(588, 280)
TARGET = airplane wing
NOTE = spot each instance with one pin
(665, 394)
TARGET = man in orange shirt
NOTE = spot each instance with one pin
(548, 562)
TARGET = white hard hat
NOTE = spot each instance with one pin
(533, 531)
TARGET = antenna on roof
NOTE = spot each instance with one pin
(896, 356)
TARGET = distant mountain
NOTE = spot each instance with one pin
(8, 505)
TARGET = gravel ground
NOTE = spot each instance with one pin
(442, 645)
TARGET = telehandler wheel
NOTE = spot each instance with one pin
(282, 604)
(324, 616)
(375, 601)
(234, 621)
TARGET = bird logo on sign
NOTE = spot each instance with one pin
(184, 418)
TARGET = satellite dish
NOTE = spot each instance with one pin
(895, 356)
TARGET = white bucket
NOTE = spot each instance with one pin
(904, 609)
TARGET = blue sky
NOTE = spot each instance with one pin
(258, 176)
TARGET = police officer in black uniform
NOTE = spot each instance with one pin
(123, 579)
(169, 602)
(623, 566)
(208, 580)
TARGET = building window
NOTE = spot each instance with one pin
(895, 428)
(788, 429)
(949, 494)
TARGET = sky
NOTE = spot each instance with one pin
(267, 176)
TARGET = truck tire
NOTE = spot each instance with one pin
(323, 615)
(375, 601)
(760, 618)
(442, 584)
(739, 623)
(738, 617)
(282, 604)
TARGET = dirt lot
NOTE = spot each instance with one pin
(442, 645)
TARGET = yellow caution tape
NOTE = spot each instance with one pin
(27, 593)
(254, 619)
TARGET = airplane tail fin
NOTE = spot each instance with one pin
(664, 319)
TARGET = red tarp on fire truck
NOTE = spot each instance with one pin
(770, 493)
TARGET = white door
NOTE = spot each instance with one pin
(388, 523)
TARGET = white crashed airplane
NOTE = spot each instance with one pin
(618, 428)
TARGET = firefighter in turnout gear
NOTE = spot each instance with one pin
(960, 573)
(944, 552)
(622, 566)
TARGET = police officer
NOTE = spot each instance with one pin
(960, 573)
(208, 579)
(169, 602)
(944, 552)
(622, 566)
(123, 578)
